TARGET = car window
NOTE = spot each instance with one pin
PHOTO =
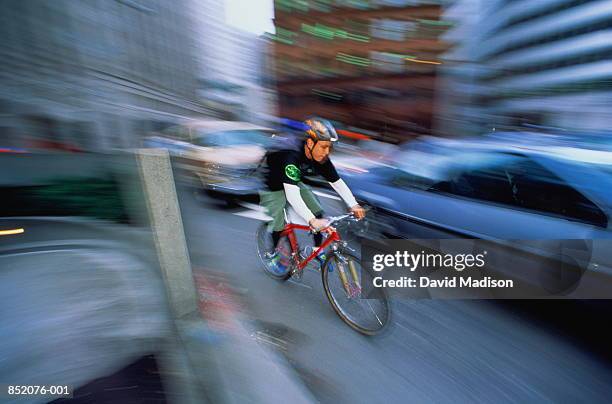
(447, 170)
(233, 138)
(406, 179)
(490, 183)
(519, 182)
(538, 189)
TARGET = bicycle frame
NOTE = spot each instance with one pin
(341, 262)
(289, 231)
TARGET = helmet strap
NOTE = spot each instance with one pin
(310, 149)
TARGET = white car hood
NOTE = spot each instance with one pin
(232, 156)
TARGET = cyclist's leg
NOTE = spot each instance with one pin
(318, 237)
(274, 204)
(315, 207)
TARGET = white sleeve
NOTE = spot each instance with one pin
(345, 193)
(292, 192)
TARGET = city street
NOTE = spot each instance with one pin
(464, 128)
(435, 351)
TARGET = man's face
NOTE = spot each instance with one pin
(321, 149)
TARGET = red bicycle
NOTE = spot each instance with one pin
(342, 275)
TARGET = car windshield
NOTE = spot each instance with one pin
(374, 146)
(444, 162)
(234, 138)
(427, 165)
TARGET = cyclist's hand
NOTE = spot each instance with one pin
(319, 224)
(358, 211)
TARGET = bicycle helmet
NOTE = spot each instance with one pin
(320, 129)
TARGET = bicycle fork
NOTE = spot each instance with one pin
(352, 289)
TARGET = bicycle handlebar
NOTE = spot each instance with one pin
(335, 219)
(332, 220)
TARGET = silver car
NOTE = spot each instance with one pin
(217, 155)
(518, 198)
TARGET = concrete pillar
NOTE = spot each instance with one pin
(181, 382)
(167, 226)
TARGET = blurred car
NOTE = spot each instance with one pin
(81, 299)
(12, 150)
(591, 141)
(364, 155)
(358, 158)
(219, 156)
(508, 195)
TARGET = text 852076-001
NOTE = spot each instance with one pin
(38, 390)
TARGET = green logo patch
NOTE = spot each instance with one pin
(293, 172)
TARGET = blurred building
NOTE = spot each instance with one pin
(367, 64)
(545, 62)
(456, 109)
(95, 75)
(232, 79)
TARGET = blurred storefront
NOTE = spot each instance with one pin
(370, 65)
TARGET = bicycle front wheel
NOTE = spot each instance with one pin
(343, 281)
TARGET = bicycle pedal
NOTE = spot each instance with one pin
(297, 275)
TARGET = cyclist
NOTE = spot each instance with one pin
(285, 169)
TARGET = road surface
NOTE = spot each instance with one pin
(436, 351)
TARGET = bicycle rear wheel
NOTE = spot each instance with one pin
(265, 247)
(367, 316)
